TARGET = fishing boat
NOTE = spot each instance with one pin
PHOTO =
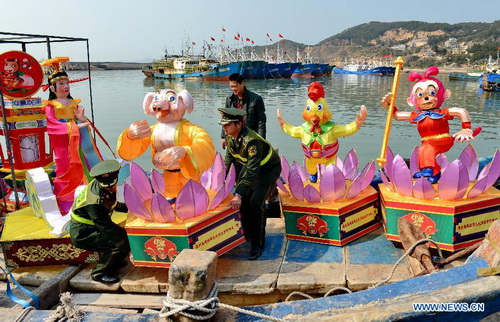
(322, 70)
(148, 71)
(490, 82)
(194, 68)
(365, 69)
(465, 76)
(279, 67)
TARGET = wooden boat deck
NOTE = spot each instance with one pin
(285, 266)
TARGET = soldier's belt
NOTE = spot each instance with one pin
(82, 220)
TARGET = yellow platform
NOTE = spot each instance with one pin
(26, 241)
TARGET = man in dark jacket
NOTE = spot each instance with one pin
(248, 101)
(261, 167)
(91, 225)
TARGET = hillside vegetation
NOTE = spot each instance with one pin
(420, 43)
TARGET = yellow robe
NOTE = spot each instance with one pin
(200, 154)
(331, 132)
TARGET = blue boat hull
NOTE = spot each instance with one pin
(304, 71)
(252, 69)
(320, 70)
(280, 70)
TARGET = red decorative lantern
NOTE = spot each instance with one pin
(21, 76)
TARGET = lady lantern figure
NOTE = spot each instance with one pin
(427, 95)
(67, 126)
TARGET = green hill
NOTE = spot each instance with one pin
(420, 43)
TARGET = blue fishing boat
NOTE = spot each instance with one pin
(304, 71)
(468, 76)
(280, 70)
(252, 69)
(490, 82)
(321, 70)
(194, 69)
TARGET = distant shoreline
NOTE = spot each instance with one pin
(105, 66)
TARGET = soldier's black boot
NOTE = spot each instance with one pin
(106, 279)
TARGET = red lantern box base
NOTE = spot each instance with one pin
(157, 244)
(26, 241)
(334, 223)
(452, 224)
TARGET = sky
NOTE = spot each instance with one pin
(141, 30)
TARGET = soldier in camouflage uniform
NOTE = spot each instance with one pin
(261, 168)
(91, 225)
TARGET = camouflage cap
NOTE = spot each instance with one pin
(106, 172)
(231, 115)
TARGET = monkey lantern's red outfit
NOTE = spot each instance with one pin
(433, 127)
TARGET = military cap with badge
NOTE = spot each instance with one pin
(230, 114)
(106, 173)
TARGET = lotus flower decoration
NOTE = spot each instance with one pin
(336, 182)
(144, 195)
(459, 179)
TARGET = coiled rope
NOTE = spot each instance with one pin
(206, 308)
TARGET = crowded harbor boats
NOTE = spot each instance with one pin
(250, 232)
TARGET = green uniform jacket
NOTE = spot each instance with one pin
(256, 111)
(257, 157)
(94, 207)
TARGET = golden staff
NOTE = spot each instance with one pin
(399, 64)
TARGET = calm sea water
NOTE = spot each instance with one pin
(118, 97)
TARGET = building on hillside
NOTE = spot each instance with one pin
(451, 43)
(401, 47)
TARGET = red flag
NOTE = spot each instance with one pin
(222, 40)
(282, 41)
(280, 35)
(268, 36)
(248, 39)
(270, 39)
(239, 35)
(193, 43)
(236, 38)
(253, 43)
(213, 39)
(223, 29)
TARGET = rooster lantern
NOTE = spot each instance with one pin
(319, 133)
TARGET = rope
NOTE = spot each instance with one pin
(298, 293)
(310, 297)
(335, 289)
(421, 241)
(24, 313)
(206, 308)
(67, 311)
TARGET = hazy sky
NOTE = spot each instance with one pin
(128, 30)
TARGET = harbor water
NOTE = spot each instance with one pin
(118, 96)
